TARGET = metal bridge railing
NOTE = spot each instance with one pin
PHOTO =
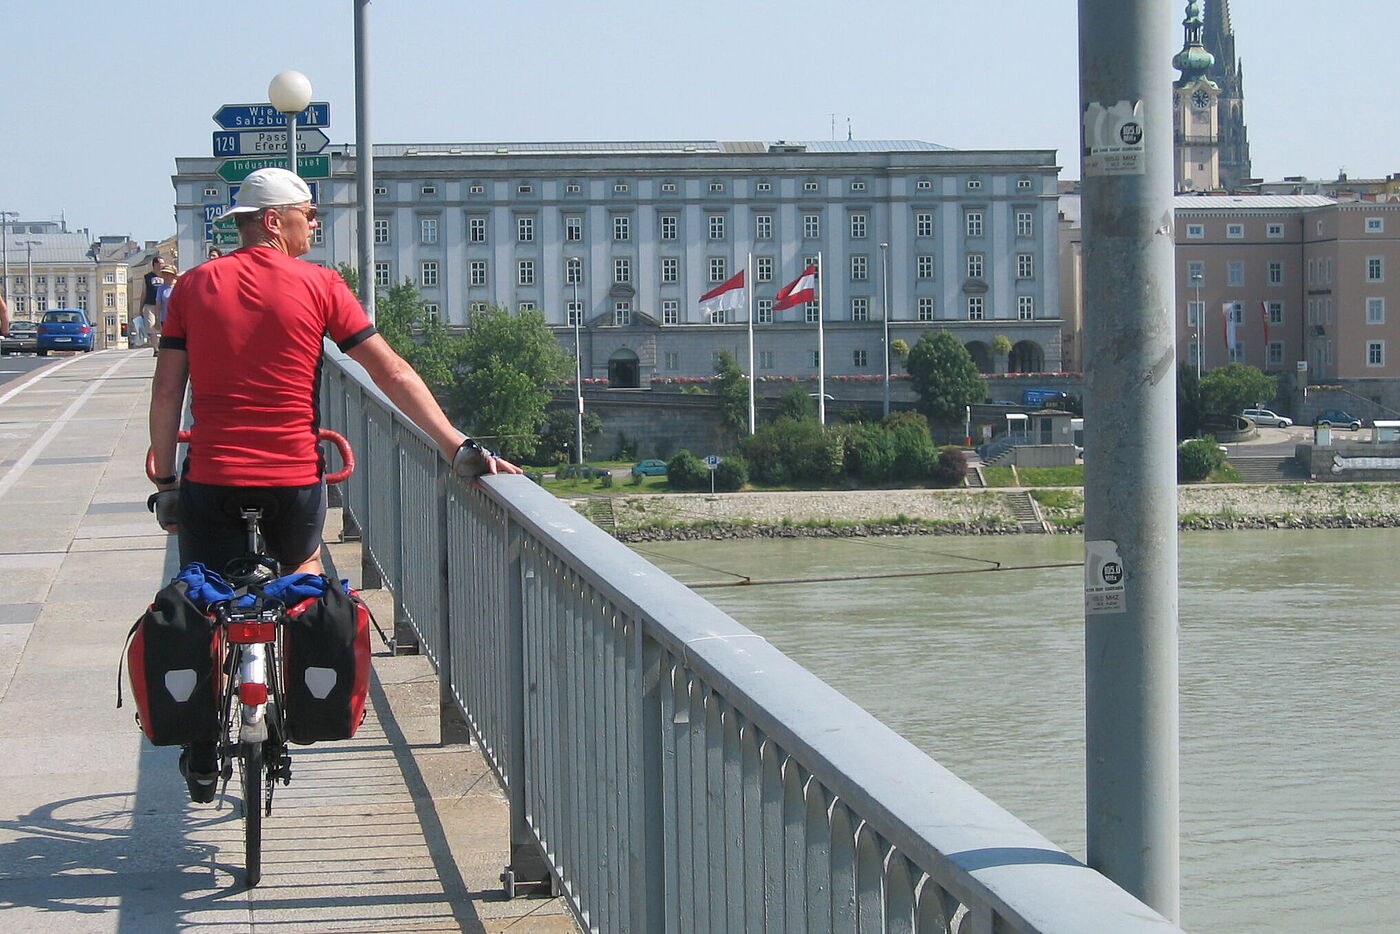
(667, 769)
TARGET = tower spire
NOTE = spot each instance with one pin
(1193, 61)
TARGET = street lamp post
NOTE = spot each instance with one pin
(575, 312)
(5, 248)
(31, 306)
(290, 92)
(885, 314)
(1197, 280)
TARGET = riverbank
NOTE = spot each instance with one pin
(847, 513)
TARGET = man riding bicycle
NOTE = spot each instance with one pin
(244, 332)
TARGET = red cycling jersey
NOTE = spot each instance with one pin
(252, 324)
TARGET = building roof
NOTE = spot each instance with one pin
(50, 248)
(1248, 202)
(643, 147)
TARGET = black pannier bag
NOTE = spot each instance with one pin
(326, 657)
(171, 662)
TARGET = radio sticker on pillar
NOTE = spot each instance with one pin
(1104, 590)
(1114, 140)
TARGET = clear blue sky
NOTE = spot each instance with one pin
(99, 98)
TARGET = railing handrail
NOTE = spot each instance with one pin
(943, 826)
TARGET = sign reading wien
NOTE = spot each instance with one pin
(265, 116)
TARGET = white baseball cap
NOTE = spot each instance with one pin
(268, 188)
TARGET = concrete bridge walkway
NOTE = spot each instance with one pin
(389, 832)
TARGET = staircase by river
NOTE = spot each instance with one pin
(1027, 512)
(1271, 469)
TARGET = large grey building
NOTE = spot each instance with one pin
(626, 237)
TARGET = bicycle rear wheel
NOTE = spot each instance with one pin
(250, 761)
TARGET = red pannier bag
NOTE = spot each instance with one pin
(172, 663)
(326, 662)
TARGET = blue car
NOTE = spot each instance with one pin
(651, 468)
(64, 329)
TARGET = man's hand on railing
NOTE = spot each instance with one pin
(472, 461)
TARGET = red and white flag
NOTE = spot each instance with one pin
(1264, 316)
(726, 296)
(1228, 308)
(802, 289)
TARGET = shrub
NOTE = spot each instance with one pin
(606, 479)
(1195, 459)
(950, 467)
(914, 453)
(731, 474)
(871, 454)
(685, 472)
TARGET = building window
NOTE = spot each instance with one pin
(432, 311)
(857, 186)
(763, 186)
(476, 189)
(1025, 307)
(1195, 231)
(716, 226)
(573, 313)
(1375, 269)
(1275, 353)
(525, 272)
(1025, 265)
(811, 226)
(318, 236)
(673, 360)
(763, 227)
(860, 268)
(573, 229)
(923, 265)
(670, 311)
(525, 229)
(860, 359)
(719, 267)
(573, 188)
(974, 223)
(1375, 311)
(622, 270)
(620, 188)
(1234, 273)
(717, 316)
(717, 187)
(973, 184)
(1237, 312)
(622, 228)
(974, 265)
(524, 189)
(811, 313)
(669, 224)
(622, 314)
(923, 224)
(668, 188)
(476, 272)
(764, 311)
(1025, 223)
(670, 269)
(381, 230)
(1196, 272)
(475, 308)
(427, 190)
(1275, 273)
(860, 309)
(1375, 353)
(428, 273)
(924, 184)
(1275, 312)
(1195, 314)
(1274, 230)
(1234, 231)
(925, 308)
(765, 359)
(476, 229)
(763, 268)
(525, 306)
(1375, 225)
(211, 192)
(975, 308)
(858, 226)
(809, 185)
(383, 275)
(814, 359)
(81, 281)
(1023, 184)
(573, 271)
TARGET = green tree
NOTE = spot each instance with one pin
(508, 363)
(1228, 390)
(351, 275)
(796, 404)
(731, 388)
(945, 377)
(559, 435)
(1188, 402)
(899, 349)
(1196, 459)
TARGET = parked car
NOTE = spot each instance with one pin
(649, 468)
(1336, 418)
(24, 338)
(64, 329)
(1266, 418)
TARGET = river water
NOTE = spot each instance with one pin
(1290, 691)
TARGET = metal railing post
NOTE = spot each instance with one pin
(648, 869)
(452, 723)
(405, 639)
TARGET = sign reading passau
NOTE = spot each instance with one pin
(270, 142)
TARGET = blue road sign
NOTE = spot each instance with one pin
(712, 461)
(267, 142)
(265, 116)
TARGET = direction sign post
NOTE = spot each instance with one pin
(235, 170)
(267, 117)
(228, 143)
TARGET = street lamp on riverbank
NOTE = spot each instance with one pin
(885, 314)
(575, 266)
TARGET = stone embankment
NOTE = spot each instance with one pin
(845, 513)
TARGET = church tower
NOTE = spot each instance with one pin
(1228, 74)
(1195, 110)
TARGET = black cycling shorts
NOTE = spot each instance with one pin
(213, 532)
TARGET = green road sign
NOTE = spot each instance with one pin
(235, 170)
(225, 238)
(227, 223)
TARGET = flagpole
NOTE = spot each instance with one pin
(821, 346)
(748, 279)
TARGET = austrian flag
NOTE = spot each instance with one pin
(802, 289)
(726, 296)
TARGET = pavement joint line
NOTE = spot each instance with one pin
(18, 470)
(41, 374)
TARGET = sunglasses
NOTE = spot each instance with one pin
(310, 212)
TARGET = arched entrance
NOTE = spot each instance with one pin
(623, 370)
(1025, 357)
(981, 355)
